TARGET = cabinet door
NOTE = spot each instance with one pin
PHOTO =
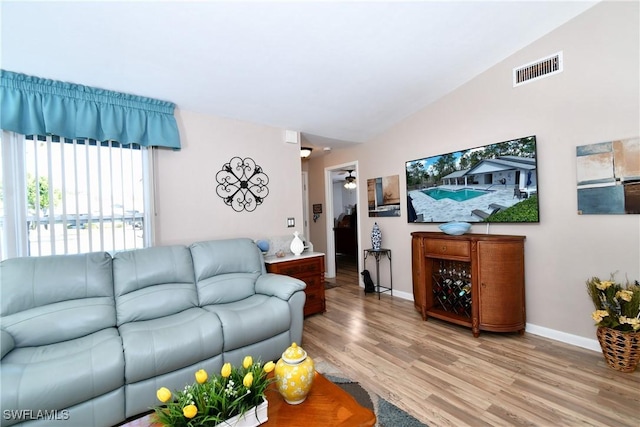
(420, 284)
(501, 285)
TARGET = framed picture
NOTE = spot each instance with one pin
(609, 177)
(383, 196)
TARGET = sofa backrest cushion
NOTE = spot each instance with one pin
(153, 282)
(226, 270)
(50, 299)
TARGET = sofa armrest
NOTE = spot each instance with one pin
(6, 342)
(278, 285)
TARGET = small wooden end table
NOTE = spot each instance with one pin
(326, 405)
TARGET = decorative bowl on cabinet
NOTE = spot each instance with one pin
(455, 228)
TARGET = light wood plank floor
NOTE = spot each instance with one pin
(443, 376)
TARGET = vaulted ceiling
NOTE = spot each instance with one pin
(338, 71)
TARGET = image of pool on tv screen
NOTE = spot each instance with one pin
(491, 183)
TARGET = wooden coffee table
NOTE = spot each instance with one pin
(326, 405)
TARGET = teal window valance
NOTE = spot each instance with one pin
(35, 106)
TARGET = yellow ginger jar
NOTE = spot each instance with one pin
(294, 374)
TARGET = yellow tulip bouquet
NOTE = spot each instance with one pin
(617, 306)
(210, 401)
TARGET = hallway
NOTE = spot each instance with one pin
(346, 272)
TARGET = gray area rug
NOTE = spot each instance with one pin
(387, 414)
(329, 285)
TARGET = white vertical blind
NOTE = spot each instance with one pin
(78, 196)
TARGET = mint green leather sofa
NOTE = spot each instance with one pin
(87, 339)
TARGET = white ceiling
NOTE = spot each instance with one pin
(337, 71)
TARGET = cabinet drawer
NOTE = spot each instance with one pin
(300, 267)
(438, 248)
(311, 271)
(314, 284)
(314, 304)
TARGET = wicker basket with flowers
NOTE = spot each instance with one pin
(617, 316)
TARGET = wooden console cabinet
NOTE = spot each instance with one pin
(474, 280)
(308, 267)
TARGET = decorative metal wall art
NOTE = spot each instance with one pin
(242, 184)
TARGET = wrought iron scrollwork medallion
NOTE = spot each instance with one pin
(242, 184)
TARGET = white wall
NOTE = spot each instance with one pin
(595, 99)
(188, 208)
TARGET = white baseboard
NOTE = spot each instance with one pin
(399, 294)
(403, 295)
(588, 343)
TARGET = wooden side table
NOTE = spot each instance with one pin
(377, 253)
(308, 267)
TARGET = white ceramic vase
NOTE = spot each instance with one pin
(297, 245)
(252, 418)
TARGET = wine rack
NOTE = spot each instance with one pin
(452, 286)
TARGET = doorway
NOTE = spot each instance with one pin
(343, 217)
(305, 205)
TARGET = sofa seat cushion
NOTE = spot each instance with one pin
(141, 395)
(252, 320)
(157, 346)
(57, 376)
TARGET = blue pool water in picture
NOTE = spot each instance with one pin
(457, 195)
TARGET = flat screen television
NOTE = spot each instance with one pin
(492, 183)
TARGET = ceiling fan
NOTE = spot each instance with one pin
(350, 181)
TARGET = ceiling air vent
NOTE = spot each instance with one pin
(539, 69)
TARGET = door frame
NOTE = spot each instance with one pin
(305, 205)
(328, 196)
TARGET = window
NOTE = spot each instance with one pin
(62, 196)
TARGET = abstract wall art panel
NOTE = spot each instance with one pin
(383, 196)
(609, 177)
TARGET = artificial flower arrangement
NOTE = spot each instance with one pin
(210, 401)
(617, 306)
